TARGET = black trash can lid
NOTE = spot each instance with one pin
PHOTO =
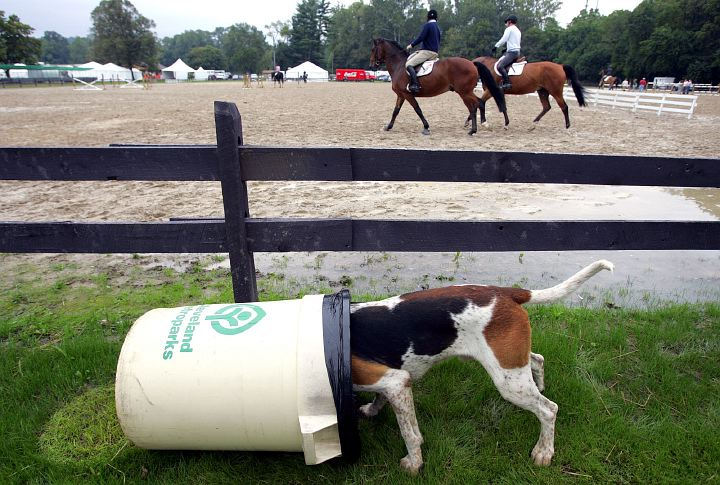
(336, 336)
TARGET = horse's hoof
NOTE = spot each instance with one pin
(505, 127)
(387, 128)
(467, 123)
(485, 124)
(426, 131)
(532, 128)
(472, 132)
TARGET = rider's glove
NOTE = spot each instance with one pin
(409, 47)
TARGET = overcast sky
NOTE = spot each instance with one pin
(71, 18)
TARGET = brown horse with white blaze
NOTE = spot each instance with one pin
(545, 78)
(448, 74)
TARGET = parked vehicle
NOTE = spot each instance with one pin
(351, 75)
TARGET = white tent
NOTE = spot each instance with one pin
(94, 72)
(19, 72)
(315, 73)
(179, 70)
(106, 71)
(201, 74)
(118, 72)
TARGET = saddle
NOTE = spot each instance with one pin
(515, 69)
(426, 68)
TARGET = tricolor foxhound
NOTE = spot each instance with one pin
(396, 341)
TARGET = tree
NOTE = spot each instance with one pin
(349, 39)
(79, 50)
(180, 45)
(16, 45)
(121, 35)
(476, 29)
(55, 48)
(278, 32)
(309, 31)
(245, 49)
(208, 57)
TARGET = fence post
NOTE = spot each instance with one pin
(228, 128)
(662, 103)
(692, 108)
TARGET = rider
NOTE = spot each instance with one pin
(512, 38)
(430, 38)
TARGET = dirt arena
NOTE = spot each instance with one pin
(342, 114)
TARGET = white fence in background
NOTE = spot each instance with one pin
(706, 89)
(635, 100)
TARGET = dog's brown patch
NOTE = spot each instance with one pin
(365, 372)
(508, 334)
(479, 295)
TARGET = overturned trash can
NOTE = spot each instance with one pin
(270, 376)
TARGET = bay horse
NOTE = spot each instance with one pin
(448, 74)
(546, 78)
(607, 80)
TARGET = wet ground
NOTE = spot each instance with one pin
(353, 115)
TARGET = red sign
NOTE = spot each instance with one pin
(351, 75)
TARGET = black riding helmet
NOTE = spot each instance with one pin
(511, 18)
(432, 14)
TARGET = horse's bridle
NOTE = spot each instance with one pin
(375, 57)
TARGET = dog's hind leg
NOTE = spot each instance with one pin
(537, 365)
(373, 408)
(517, 386)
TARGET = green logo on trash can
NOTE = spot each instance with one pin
(235, 319)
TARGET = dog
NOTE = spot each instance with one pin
(395, 341)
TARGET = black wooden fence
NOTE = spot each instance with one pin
(233, 164)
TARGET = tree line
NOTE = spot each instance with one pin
(678, 38)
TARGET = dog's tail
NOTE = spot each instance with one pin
(571, 284)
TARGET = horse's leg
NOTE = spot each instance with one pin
(481, 104)
(398, 105)
(426, 126)
(563, 106)
(545, 101)
(471, 101)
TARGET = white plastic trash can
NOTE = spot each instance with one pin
(271, 376)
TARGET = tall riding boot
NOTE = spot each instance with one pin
(414, 84)
(506, 85)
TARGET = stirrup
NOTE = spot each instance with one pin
(506, 86)
(414, 89)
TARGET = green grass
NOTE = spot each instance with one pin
(638, 391)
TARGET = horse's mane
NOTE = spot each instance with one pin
(395, 44)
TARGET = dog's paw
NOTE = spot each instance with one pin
(411, 467)
(542, 455)
(367, 410)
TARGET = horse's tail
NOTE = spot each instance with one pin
(579, 90)
(488, 82)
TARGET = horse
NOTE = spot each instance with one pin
(448, 74)
(547, 78)
(278, 78)
(607, 80)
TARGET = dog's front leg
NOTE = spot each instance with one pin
(399, 393)
(373, 408)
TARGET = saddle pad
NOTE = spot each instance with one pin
(426, 68)
(515, 70)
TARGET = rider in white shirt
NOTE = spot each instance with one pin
(511, 37)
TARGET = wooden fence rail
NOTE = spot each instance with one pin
(233, 165)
